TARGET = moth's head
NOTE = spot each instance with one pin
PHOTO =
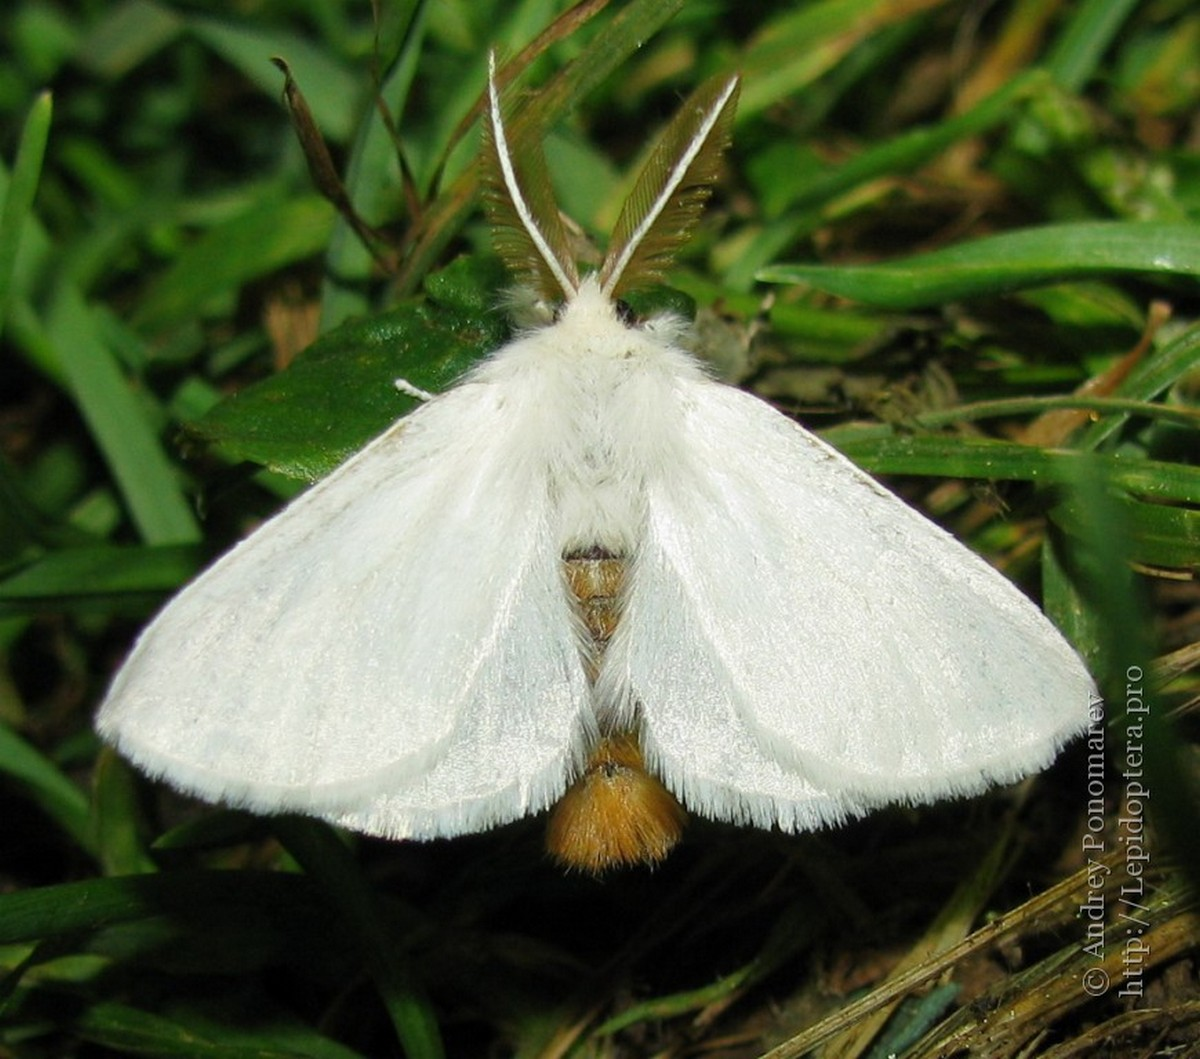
(656, 220)
(594, 324)
(660, 312)
(588, 304)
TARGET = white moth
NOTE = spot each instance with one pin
(592, 566)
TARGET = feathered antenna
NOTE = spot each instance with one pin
(671, 189)
(527, 229)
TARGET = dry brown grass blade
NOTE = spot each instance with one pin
(948, 929)
(1053, 428)
(1055, 904)
(322, 170)
(1112, 1031)
(1003, 1023)
(1020, 39)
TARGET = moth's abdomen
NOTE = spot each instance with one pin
(616, 813)
(595, 582)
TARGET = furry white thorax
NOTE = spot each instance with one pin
(601, 392)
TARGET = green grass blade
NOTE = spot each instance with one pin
(117, 818)
(1141, 740)
(1090, 31)
(18, 201)
(1158, 501)
(57, 796)
(1063, 599)
(133, 1031)
(372, 182)
(1150, 379)
(68, 908)
(100, 578)
(907, 151)
(1155, 534)
(793, 50)
(1019, 406)
(147, 480)
(125, 34)
(332, 88)
(269, 234)
(882, 450)
(1001, 263)
(901, 154)
(325, 858)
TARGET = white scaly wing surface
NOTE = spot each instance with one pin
(803, 645)
(393, 651)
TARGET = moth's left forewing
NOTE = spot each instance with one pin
(789, 617)
(393, 651)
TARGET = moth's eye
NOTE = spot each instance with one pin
(626, 314)
(556, 310)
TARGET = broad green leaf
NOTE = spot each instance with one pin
(470, 284)
(1001, 263)
(341, 392)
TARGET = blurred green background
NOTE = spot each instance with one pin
(959, 240)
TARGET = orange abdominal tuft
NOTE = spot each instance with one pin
(615, 814)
